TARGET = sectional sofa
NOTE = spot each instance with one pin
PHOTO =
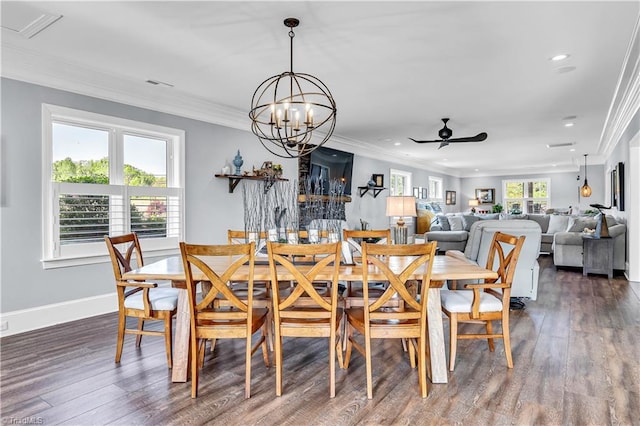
(561, 234)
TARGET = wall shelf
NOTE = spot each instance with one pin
(375, 190)
(235, 179)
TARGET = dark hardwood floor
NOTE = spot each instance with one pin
(576, 354)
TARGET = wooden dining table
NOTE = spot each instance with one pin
(445, 267)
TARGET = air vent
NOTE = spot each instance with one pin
(161, 83)
(560, 145)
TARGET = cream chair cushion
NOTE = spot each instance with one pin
(161, 299)
(461, 300)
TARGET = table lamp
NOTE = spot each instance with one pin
(401, 206)
(473, 203)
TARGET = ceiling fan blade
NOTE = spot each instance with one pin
(477, 138)
(443, 144)
(436, 141)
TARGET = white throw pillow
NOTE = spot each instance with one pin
(558, 223)
(456, 224)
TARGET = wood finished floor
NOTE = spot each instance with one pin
(575, 350)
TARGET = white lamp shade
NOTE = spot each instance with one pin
(401, 206)
(474, 202)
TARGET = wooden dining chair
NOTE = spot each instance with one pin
(353, 292)
(237, 319)
(402, 265)
(485, 302)
(303, 311)
(141, 300)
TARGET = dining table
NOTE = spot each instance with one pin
(445, 267)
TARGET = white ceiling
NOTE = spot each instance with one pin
(394, 68)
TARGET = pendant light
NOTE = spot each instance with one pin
(292, 113)
(585, 190)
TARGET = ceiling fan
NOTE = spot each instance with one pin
(445, 134)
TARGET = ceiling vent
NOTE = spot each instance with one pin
(560, 145)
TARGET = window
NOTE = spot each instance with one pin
(105, 175)
(435, 189)
(526, 196)
(400, 182)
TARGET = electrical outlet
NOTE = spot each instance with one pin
(4, 325)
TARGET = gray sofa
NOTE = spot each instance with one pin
(567, 245)
(560, 234)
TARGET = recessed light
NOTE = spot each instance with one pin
(569, 120)
(559, 57)
(572, 149)
(569, 124)
(398, 143)
(477, 170)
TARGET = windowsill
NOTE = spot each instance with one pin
(65, 262)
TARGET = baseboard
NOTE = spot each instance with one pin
(47, 315)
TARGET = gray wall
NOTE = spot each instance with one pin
(210, 210)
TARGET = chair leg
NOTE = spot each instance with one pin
(140, 328)
(278, 362)
(349, 346)
(265, 348)
(492, 346)
(422, 366)
(367, 343)
(195, 346)
(168, 332)
(507, 341)
(122, 320)
(247, 366)
(453, 340)
(412, 353)
(332, 364)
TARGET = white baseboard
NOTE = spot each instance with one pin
(47, 315)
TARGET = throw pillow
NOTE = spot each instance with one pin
(455, 223)
(444, 222)
(469, 220)
(557, 223)
(579, 223)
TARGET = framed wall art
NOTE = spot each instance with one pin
(486, 195)
(450, 197)
(378, 179)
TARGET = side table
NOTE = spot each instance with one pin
(597, 255)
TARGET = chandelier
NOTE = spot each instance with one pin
(292, 113)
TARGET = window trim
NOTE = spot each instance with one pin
(440, 182)
(96, 252)
(407, 175)
(524, 198)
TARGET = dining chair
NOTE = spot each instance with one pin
(353, 293)
(404, 266)
(485, 302)
(142, 300)
(304, 311)
(237, 319)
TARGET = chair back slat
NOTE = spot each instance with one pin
(196, 256)
(120, 262)
(381, 256)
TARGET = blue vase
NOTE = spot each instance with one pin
(237, 161)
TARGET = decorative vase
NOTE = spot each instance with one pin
(371, 183)
(226, 169)
(238, 162)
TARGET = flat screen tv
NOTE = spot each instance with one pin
(328, 164)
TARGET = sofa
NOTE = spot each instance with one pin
(567, 244)
(561, 234)
(525, 280)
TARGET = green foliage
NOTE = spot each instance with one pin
(497, 208)
(97, 171)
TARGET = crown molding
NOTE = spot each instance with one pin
(626, 99)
